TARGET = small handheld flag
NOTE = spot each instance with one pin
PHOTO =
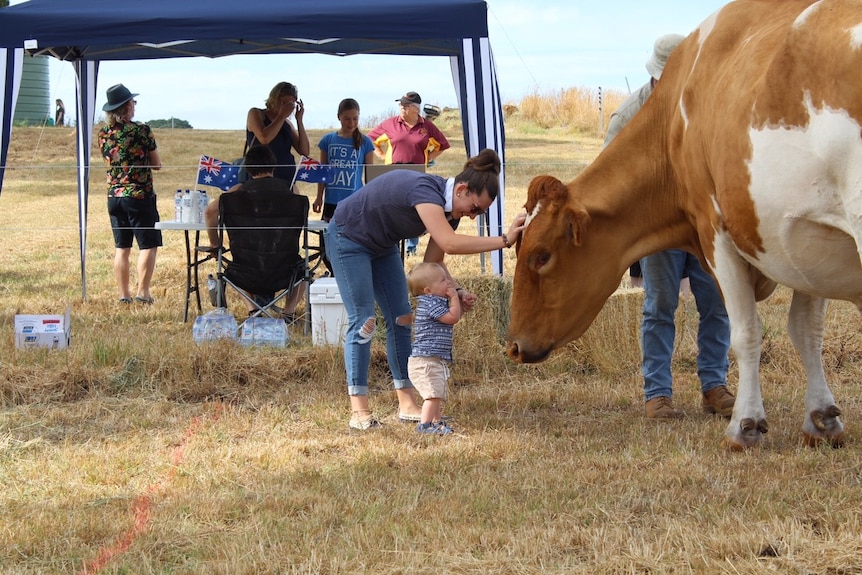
(311, 171)
(212, 172)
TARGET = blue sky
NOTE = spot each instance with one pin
(543, 47)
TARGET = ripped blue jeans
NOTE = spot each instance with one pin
(364, 278)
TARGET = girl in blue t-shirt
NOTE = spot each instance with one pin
(347, 151)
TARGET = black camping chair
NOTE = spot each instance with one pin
(263, 229)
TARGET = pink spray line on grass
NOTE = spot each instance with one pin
(142, 506)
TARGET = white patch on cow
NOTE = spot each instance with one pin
(801, 19)
(532, 215)
(683, 112)
(806, 184)
(855, 36)
(705, 28)
(715, 206)
(724, 256)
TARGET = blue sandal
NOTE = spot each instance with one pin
(438, 428)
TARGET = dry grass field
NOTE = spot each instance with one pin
(137, 451)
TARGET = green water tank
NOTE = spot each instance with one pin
(34, 106)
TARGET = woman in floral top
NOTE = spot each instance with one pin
(129, 149)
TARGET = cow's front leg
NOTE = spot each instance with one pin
(748, 422)
(805, 327)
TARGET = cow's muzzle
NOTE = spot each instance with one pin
(519, 353)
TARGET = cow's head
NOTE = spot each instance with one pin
(564, 274)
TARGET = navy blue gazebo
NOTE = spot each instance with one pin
(85, 32)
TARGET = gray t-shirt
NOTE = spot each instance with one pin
(627, 111)
(383, 212)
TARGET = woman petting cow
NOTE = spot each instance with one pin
(362, 244)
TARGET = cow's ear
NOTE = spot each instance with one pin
(578, 220)
(542, 187)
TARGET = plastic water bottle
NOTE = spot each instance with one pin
(178, 206)
(189, 211)
(212, 287)
(203, 202)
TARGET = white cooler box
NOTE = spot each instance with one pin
(328, 317)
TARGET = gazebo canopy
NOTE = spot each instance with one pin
(85, 32)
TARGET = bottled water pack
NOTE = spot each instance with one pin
(216, 324)
(264, 331)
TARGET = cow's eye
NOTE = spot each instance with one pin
(541, 260)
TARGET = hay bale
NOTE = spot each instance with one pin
(611, 344)
(489, 320)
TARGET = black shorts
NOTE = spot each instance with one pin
(131, 218)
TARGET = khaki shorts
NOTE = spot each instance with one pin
(429, 376)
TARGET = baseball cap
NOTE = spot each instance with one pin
(410, 98)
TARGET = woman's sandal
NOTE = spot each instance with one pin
(370, 422)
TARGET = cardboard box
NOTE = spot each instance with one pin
(43, 331)
(328, 316)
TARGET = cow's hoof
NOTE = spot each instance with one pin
(824, 426)
(749, 435)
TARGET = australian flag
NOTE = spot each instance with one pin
(212, 172)
(311, 171)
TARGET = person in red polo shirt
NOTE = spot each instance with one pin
(408, 138)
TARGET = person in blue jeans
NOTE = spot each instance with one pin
(662, 274)
(411, 246)
(362, 244)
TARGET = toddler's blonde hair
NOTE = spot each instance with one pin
(420, 276)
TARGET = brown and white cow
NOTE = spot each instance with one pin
(747, 154)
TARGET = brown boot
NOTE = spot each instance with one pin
(718, 401)
(662, 408)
